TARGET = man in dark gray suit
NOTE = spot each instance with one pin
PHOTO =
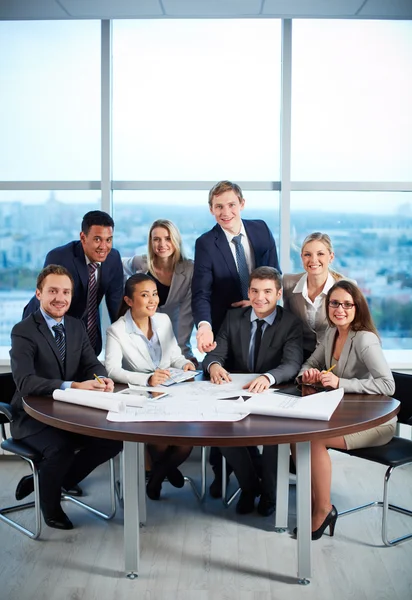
(262, 338)
(51, 350)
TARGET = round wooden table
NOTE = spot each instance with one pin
(356, 412)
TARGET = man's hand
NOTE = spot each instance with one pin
(241, 303)
(258, 385)
(329, 380)
(189, 367)
(205, 339)
(159, 377)
(218, 374)
(90, 384)
(311, 376)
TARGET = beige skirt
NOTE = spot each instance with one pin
(377, 436)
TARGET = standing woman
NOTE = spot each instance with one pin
(351, 347)
(304, 293)
(172, 272)
(140, 348)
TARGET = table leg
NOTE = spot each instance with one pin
(282, 488)
(141, 481)
(131, 509)
(304, 511)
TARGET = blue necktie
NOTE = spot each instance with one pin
(60, 339)
(241, 265)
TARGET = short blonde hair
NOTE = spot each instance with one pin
(175, 237)
(222, 187)
(318, 236)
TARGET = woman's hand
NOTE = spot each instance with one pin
(311, 376)
(329, 380)
(189, 367)
(158, 377)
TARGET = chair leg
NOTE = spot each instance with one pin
(34, 535)
(95, 511)
(200, 494)
(227, 501)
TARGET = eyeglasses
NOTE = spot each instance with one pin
(344, 305)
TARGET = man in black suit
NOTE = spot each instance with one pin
(224, 258)
(51, 350)
(97, 271)
(261, 338)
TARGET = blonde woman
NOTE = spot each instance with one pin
(166, 264)
(304, 293)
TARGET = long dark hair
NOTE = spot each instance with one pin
(363, 318)
(129, 289)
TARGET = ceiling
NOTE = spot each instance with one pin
(148, 9)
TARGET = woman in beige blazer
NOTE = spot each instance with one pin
(166, 263)
(348, 357)
(140, 349)
(304, 293)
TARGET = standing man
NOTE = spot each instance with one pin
(261, 338)
(49, 351)
(97, 271)
(224, 258)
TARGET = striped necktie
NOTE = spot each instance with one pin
(241, 265)
(92, 304)
(60, 340)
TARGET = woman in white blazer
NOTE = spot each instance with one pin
(304, 293)
(166, 263)
(140, 348)
(352, 353)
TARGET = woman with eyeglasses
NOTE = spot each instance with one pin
(349, 357)
(140, 349)
(172, 272)
(304, 293)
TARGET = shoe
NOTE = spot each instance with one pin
(266, 506)
(75, 490)
(175, 477)
(246, 503)
(24, 487)
(154, 484)
(330, 521)
(58, 521)
(215, 489)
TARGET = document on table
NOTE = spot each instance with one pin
(101, 400)
(318, 406)
(207, 389)
(173, 409)
(178, 375)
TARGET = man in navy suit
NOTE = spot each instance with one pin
(221, 272)
(49, 351)
(95, 248)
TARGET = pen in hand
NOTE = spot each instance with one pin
(329, 370)
(98, 378)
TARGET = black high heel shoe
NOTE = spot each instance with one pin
(330, 521)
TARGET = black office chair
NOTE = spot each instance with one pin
(397, 453)
(7, 389)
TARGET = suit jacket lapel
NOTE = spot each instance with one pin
(80, 264)
(178, 281)
(223, 246)
(345, 352)
(49, 338)
(330, 337)
(267, 339)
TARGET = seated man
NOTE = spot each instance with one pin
(51, 350)
(262, 338)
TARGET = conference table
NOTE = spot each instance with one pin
(356, 412)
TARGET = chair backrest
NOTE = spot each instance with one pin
(7, 387)
(403, 393)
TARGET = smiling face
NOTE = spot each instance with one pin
(162, 244)
(144, 301)
(263, 295)
(97, 243)
(340, 316)
(55, 295)
(226, 209)
(316, 258)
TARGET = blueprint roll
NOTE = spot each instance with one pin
(101, 400)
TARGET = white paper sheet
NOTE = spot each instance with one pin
(102, 400)
(319, 406)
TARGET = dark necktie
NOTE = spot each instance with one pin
(241, 265)
(92, 304)
(258, 339)
(60, 339)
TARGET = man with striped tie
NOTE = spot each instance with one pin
(97, 271)
(51, 350)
